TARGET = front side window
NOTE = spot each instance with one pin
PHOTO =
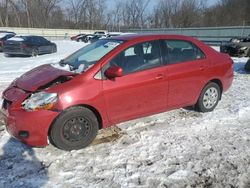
(90, 54)
(178, 51)
(138, 57)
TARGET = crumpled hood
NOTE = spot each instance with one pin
(39, 77)
(33, 80)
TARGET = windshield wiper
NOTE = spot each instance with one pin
(63, 64)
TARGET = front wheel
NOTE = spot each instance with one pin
(209, 98)
(75, 129)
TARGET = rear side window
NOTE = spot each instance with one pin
(179, 51)
(43, 40)
(33, 40)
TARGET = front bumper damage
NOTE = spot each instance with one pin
(30, 128)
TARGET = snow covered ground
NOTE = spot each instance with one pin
(181, 148)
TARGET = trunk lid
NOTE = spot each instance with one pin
(9, 44)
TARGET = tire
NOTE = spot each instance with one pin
(209, 98)
(74, 129)
(34, 52)
(247, 66)
(8, 55)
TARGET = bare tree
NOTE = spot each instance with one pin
(124, 14)
(4, 14)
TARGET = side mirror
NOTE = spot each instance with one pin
(113, 72)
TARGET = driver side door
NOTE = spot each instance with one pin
(142, 90)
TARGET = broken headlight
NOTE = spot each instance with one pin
(40, 101)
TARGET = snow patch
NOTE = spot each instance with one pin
(180, 148)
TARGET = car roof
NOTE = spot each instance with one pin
(146, 36)
(5, 34)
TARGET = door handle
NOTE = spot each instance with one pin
(159, 77)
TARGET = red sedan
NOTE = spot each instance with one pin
(111, 81)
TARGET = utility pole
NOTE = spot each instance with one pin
(243, 28)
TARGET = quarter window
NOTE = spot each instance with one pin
(138, 57)
(179, 51)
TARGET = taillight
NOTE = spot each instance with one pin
(24, 46)
(1, 43)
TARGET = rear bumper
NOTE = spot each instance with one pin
(228, 81)
(16, 51)
(36, 124)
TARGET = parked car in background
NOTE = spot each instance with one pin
(76, 37)
(237, 47)
(88, 38)
(85, 38)
(28, 45)
(5, 36)
(96, 38)
(111, 81)
(103, 33)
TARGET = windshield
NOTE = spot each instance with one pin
(86, 57)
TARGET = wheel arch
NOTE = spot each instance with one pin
(94, 110)
(214, 80)
(219, 83)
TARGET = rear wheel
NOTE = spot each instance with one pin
(75, 129)
(209, 98)
(34, 52)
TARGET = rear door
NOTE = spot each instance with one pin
(41, 44)
(142, 89)
(46, 44)
(186, 65)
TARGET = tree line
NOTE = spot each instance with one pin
(122, 14)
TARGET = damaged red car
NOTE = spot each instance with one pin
(111, 81)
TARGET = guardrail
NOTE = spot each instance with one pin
(212, 35)
(48, 33)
